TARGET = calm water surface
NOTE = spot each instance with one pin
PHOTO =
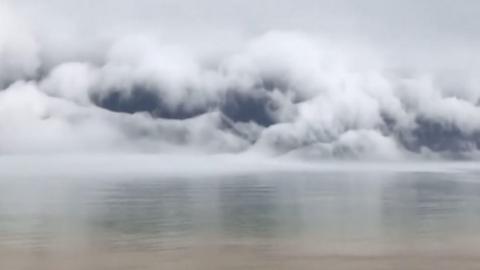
(331, 220)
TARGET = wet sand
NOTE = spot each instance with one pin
(228, 258)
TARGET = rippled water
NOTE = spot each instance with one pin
(330, 220)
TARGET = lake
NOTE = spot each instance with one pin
(332, 219)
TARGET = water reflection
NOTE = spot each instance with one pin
(330, 213)
(430, 206)
(249, 207)
(143, 216)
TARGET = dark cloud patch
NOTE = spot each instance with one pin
(246, 106)
(238, 105)
(143, 99)
(439, 137)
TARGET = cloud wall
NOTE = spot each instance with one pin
(279, 92)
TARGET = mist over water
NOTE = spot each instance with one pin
(315, 79)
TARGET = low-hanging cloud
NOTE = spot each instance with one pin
(293, 93)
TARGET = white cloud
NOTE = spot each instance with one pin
(314, 91)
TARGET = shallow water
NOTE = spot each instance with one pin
(329, 220)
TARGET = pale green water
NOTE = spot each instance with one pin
(258, 221)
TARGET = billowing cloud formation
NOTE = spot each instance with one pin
(281, 93)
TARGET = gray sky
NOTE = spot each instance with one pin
(422, 26)
(441, 16)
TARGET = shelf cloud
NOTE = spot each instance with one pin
(310, 79)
